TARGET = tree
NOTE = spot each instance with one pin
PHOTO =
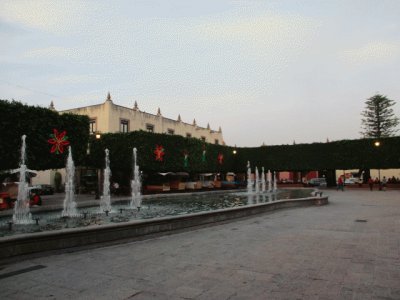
(379, 120)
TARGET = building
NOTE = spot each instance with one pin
(108, 117)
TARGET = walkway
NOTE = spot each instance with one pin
(349, 249)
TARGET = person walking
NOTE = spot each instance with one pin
(384, 183)
(340, 184)
(371, 183)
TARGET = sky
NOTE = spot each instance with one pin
(272, 72)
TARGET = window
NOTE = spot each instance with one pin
(170, 131)
(216, 142)
(150, 127)
(92, 126)
(188, 135)
(124, 125)
(203, 138)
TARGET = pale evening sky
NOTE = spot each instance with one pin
(265, 71)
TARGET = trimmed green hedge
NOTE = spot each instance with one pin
(345, 154)
(121, 153)
(37, 124)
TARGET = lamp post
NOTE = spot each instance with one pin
(234, 152)
(97, 196)
(377, 144)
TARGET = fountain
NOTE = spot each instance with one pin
(257, 182)
(250, 199)
(269, 179)
(249, 181)
(22, 214)
(105, 200)
(69, 200)
(182, 211)
(136, 185)
(263, 180)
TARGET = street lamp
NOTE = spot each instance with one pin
(97, 195)
(377, 144)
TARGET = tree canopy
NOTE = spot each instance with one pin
(378, 117)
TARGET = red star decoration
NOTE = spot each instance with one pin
(159, 152)
(59, 141)
(220, 158)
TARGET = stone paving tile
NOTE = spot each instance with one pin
(188, 292)
(49, 291)
(149, 295)
(22, 282)
(115, 288)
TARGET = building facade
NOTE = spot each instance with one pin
(108, 117)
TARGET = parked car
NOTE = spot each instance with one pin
(317, 182)
(5, 201)
(43, 189)
(351, 180)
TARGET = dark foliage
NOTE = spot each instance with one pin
(121, 153)
(345, 154)
(37, 124)
(379, 119)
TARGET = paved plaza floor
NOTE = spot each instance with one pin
(349, 249)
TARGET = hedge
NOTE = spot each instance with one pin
(37, 123)
(344, 154)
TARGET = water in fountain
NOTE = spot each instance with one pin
(275, 183)
(257, 181)
(269, 181)
(22, 214)
(249, 181)
(69, 200)
(155, 207)
(263, 180)
(250, 199)
(105, 201)
(136, 185)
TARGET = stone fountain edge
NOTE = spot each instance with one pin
(23, 244)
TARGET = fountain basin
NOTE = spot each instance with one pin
(22, 244)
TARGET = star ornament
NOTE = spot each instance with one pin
(59, 141)
(159, 152)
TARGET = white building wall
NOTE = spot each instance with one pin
(108, 117)
(47, 177)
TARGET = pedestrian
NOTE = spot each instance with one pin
(371, 183)
(340, 184)
(384, 182)
(35, 199)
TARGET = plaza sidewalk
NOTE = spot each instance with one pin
(349, 249)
